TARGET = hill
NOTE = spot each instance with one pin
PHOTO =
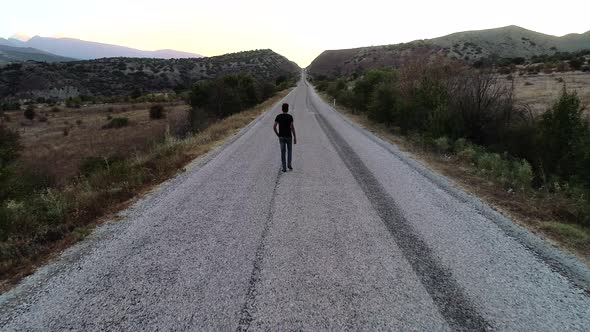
(470, 46)
(122, 76)
(86, 50)
(10, 54)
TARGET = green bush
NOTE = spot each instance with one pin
(74, 102)
(489, 163)
(55, 205)
(116, 123)
(365, 87)
(226, 95)
(564, 133)
(442, 144)
(385, 105)
(467, 154)
(459, 145)
(522, 175)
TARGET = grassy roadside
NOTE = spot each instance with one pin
(541, 212)
(56, 218)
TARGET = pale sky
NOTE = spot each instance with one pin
(299, 30)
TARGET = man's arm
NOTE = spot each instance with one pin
(275, 128)
(294, 135)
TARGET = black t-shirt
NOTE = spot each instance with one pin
(284, 120)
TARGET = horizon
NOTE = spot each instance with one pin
(263, 24)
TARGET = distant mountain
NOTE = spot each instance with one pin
(86, 50)
(10, 54)
(509, 42)
(470, 46)
(122, 76)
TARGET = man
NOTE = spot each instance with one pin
(285, 123)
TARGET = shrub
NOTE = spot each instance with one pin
(75, 102)
(460, 145)
(198, 119)
(9, 147)
(522, 174)
(482, 106)
(563, 131)
(29, 113)
(384, 105)
(157, 112)
(9, 106)
(225, 95)
(94, 164)
(442, 144)
(467, 154)
(55, 205)
(116, 123)
(576, 63)
(55, 109)
(489, 162)
(364, 87)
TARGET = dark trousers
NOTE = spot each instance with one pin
(286, 144)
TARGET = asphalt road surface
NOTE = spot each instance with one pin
(357, 237)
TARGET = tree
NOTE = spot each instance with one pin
(364, 87)
(563, 130)
(576, 63)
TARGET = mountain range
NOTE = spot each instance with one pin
(10, 54)
(87, 50)
(469, 46)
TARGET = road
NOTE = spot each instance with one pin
(357, 237)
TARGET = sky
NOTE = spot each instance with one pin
(299, 30)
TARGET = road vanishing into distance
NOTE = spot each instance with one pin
(357, 237)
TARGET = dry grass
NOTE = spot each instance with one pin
(540, 91)
(99, 195)
(45, 143)
(543, 213)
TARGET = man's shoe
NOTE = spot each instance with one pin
(284, 170)
(291, 168)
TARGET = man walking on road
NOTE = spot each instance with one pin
(286, 127)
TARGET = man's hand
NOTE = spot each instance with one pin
(295, 141)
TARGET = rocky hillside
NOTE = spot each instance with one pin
(508, 42)
(122, 76)
(470, 46)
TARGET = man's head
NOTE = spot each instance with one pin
(285, 108)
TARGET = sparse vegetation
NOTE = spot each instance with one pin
(40, 208)
(227, 95)
(472, 116)
(118, 122)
